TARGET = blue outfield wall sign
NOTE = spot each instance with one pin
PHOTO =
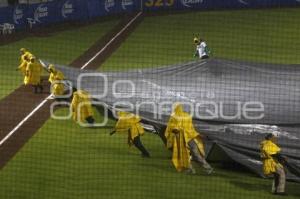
(120, 6)
(109, 7)
(18, 16)
(81, 10)
(44, 13)
(54, 12)
(72, 10)
(13, 15)
(152, 5)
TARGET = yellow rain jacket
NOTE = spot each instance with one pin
(33, 73)
(81, 106)
(24, 62)
(268, 148)
(183, 123)
(54, 78)
(130, 124)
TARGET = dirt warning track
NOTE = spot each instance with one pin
(23, 112)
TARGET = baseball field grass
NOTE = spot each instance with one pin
(59, 47)
(267, 36)
(65, 161)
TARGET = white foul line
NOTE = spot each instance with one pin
(24, 120)
(83, 67)
(112, 39)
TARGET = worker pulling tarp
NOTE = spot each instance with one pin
(234, 103)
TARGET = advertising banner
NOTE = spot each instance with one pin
(78, 10)
(153, 5)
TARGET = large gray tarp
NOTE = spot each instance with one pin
(234, 103)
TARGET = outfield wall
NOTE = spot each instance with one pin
(215, 4)
(82, 10)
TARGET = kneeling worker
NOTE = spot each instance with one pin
(130, 123)
(184, 141)
(202, 50)
(56, 77)
(273, 163)
(81, 105)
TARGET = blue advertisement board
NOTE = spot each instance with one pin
(81, 10)
(98, 8)
(72, 10)
(14, 15)
(53, 12)
(93, 7)
(108, 7)
(42, 14)
(154, 5)
(19, 16)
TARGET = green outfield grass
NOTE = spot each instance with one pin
(271, 36)
(63, 160)
(60, 47)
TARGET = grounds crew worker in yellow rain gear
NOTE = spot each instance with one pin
(185, 141)
(24, 60)
(33, 75)
(273, 163)
(130, 123)
(81, 105)
(56, 77)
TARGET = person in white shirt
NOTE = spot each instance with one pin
(201, 49)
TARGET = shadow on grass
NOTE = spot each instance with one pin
(251, 186)
(292, 189)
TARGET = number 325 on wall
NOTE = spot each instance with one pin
(159, 3)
